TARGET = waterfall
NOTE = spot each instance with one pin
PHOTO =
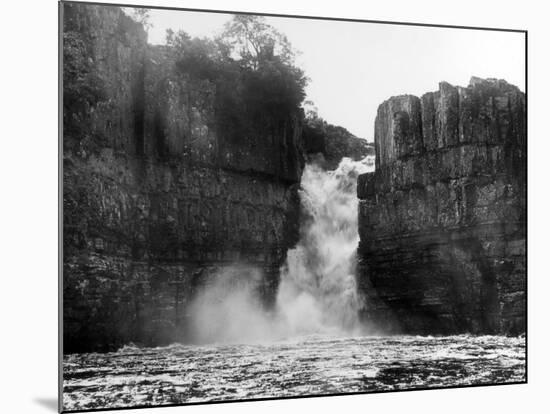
(318, 290)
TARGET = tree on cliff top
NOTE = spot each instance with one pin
(255, 41)
(140, 15)
(252, 66)
(201, 58)
(273, 83)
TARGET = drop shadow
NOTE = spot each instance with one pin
(49, 403)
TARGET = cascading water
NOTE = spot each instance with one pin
(317, 295)
(317, 292)
(318, 288)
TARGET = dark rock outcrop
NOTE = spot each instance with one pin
(158, 194)
(442, 220)
(333, 143)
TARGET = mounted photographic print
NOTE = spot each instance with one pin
(264, 206)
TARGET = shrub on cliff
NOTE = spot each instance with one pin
(272, 82)
(252, 66)
(254, 42)
(200, 58)
(333, 141)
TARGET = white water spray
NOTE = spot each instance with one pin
(317, 292)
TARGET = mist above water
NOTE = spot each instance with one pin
(317, 291)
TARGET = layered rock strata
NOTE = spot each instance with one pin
(442, 220)
(158, 196)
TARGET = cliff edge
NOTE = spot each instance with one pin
(442, 220)
(162, 186)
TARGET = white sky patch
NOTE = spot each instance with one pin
(354, 67)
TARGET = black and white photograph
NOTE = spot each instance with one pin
(260, 206)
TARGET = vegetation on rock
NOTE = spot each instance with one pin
(332, 141)
(252, 66)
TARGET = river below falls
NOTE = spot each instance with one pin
(312, 365)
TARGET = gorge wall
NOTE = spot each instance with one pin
(159, 191)
(442, 220)
(168, 179)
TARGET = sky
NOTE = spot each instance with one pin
(354, 67)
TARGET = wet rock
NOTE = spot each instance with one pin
(157, 197)
(442, 220)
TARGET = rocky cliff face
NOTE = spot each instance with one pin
(157, 193)
(442, 220)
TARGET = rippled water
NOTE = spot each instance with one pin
(309, 365)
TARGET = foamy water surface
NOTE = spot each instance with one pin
(305, 366)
